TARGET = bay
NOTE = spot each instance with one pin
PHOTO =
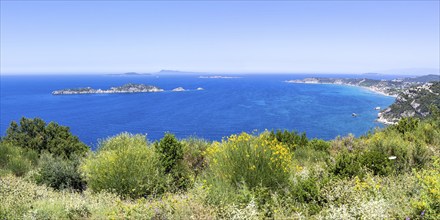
(250, 103)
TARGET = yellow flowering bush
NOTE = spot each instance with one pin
(428, 205)
(252, 160)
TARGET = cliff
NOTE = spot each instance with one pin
(413, 102)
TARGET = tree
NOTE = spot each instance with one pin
(170, 152)
(34, 134)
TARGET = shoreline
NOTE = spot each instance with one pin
(344, 84)
(379, 118)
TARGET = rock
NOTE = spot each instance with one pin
(178, 89)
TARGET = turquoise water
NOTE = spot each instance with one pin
(226, 106)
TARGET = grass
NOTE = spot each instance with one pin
(243, 177)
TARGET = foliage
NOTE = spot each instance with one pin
(20, 199)
(406, 125)
(16, 160)
(125, 165)
(291, 139)
(193, 154)
(392, 173)
(256, 161)
(60, 173)
(397, 149)
(428, 205)
(35, 135)
(257, 165)
(170, 152)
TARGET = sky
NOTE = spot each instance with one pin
(218, 36)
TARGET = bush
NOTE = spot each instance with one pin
(15, 159)
(291, 139)
(319, 145)
(346, 164)
(193, 155)
(170, 152)
(390, 151)
(254, 161)
(35, 135)
(428, 205)
(125, 165)
(406, 125)
(60, 173)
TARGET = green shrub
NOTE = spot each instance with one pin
(125, 165)
(170, 152)
(15, 159)
(319, 145)
(314, 153)
(385, 152)
(60, 173)
(34, 134)
(347, 164)
(291, 139)
(406, 125)
(193, 155)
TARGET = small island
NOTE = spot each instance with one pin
(178, 89)
(127, 88)
(219, 77)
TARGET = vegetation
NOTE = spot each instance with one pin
(126, 166)
(391, 173)
(416, 101)
(170, 152)
(35, 134)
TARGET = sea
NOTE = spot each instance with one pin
(225, 106)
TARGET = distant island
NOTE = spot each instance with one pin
(127, 88)
(219, 77)
(130, 74)
(385, 87)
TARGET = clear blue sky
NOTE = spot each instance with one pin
(118, 36)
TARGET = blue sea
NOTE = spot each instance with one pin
(225, 106)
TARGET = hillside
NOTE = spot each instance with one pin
(413, 102)
(388, 87)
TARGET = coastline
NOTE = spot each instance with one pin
(379, 119)
(344, 84)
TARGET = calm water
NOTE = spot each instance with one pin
(226, 106)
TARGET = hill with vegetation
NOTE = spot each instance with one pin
(415, 101)
(391, 173)
(387, 87)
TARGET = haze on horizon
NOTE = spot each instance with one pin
(297, 36)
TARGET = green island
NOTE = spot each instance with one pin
(127, 88)
(390, 173)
